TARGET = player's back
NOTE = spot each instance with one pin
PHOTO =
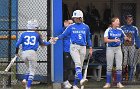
(30, 40)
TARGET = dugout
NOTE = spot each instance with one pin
(97, 14)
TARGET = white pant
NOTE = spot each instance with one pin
(30, 59)
(78, 54)
(111, 53)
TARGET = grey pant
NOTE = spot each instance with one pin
(111, 54)
(129, 53)
(30, 59)
(78, 54)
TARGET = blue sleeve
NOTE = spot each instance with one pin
(138, 41)
(65, 33)
(46, 43)
(136, 35)
(19, 41)
(88, 37)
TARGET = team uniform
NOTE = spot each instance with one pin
(113, 50)
(67, 61)
(130, 49)
(79, 37)
(30, 41)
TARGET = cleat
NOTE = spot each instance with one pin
(83, 81)
(107, 85)
(67, 85)
(24, 82)
(28, 88)
(75, 87)
(119, 85)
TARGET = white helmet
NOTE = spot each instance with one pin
(32, 24)
(77, 13)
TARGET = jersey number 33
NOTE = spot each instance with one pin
(30, 40)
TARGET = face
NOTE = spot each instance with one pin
(116, 23)
(67, 23)
(77, 20)
(129, 20)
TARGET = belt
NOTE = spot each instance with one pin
(78, 44)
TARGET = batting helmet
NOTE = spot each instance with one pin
(32, 24)
(77, 13)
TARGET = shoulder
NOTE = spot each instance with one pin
(135, 27)
(85, 25)
(123, 26)
(119, 29)
(108, 29)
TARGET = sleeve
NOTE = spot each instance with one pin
(106, 33)
(136, 35)
(19, 41)
(123, 34)
(46, 43)
(88, 37)
(65, 33)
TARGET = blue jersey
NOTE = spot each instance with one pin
(30, 40)
(79, 34)
(66, 43)
(131, 29)
(114, 34)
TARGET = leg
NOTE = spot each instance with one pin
(67, 69)
(32, 68)
(109, 58)
(74, 51)
(132, 61)
(32, 57)
(118, 58)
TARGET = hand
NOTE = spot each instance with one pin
(117, 40)
(128, 39)
(90, 52)
(52, 40)
(17, 55)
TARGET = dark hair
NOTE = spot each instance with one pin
(128, 16)
(114, 18)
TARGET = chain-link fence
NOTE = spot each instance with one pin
(7, 46)
(14, 15)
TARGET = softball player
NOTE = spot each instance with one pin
(30, 41)
(130, 49)
(67, 59)
(79, 34)
(113, 37)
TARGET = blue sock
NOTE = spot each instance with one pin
(26, 76)
(78, 73)
(119, 75)
(30, 80)
(131, 73)
(108, 77)
(75, 81)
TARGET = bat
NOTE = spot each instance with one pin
(85, 72)
(11, 63)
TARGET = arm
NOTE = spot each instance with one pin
(18, 43)
(64, 34)
(106, 40)
(89, 42)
